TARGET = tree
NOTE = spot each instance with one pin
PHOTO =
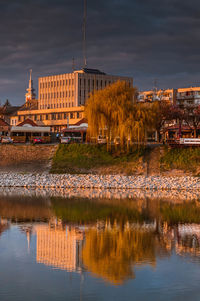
(161, 111)
(115, 111)
(192, 117)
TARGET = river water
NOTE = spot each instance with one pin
(99, 248)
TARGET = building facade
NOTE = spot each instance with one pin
(181, 96)
(62, 98)
(73, 89)
(57, 119)
(188, 96)
(168, 95)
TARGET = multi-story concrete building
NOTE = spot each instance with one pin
(72, 89)
(62, 97)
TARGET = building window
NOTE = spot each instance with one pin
(77, 114)
(71, 115)
(69, 81)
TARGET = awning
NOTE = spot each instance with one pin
(27, 129)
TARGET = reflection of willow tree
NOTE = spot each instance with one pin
(87, 211)
(111, 254)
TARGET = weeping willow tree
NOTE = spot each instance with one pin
(114, 111)
(109, 109)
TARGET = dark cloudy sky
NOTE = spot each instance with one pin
(145, 39)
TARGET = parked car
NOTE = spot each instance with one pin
(65, 140)
(37, 140)
(101, 139)
(6, 140)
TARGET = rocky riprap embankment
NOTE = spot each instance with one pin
(99, 182)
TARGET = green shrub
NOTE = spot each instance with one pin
(187, 158)
(74, 158)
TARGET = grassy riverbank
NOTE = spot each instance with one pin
(187, 159)
(84, 158)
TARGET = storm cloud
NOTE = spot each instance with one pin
(144, 39)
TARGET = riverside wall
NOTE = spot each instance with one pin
(25, 156)
(65, 181)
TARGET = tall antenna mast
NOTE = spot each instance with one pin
(84, 34)
(73, 64)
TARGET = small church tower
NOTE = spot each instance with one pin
(30, 95)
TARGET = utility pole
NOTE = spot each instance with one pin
(84, 34)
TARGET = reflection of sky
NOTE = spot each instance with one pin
(21, 278)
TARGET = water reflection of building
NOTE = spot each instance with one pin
(188, 240)
(59, 247)
(184, 239)
(4, 225)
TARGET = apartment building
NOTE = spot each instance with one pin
(168, 95)
(180, 96)
(188, 96)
